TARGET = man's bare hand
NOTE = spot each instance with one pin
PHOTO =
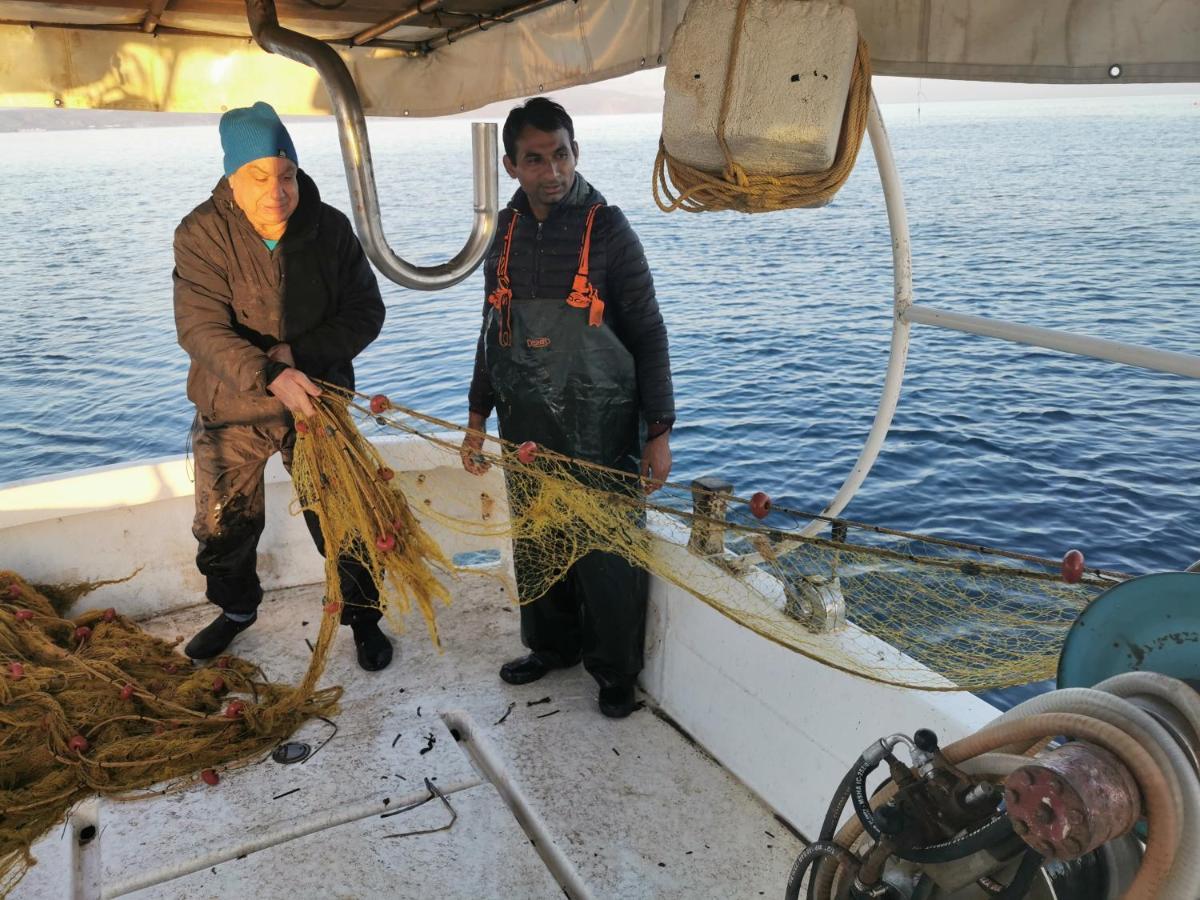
(282, 353)
(293, 389)
(471, 451)
(656, 462)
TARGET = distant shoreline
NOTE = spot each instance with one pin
(41, 120)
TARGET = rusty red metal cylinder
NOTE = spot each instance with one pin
(1072, 800)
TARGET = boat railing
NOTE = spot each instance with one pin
(905, 313)
(1052, 339)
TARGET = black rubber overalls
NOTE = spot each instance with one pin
(563, 379)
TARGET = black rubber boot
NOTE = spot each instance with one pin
(530, 668)
(374, 649)
(216, 636)
(617, 700)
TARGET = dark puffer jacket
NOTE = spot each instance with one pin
(235, 299)
(542, 263)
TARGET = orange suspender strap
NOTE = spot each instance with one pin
(583, 293)
(501, 297)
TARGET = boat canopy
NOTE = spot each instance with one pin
(438, 57)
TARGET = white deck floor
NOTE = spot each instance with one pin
(616, 809)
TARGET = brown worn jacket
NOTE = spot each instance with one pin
(235, 299)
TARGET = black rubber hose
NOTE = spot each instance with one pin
(811, 854)
(981, 838)
(840, 797)
(858, 795)
(995, 831)
(1019, 886)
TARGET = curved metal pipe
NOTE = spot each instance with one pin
(902, 299)
(360, 173)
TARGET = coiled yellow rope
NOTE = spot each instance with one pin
(679, 186)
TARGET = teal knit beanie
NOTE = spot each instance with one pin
(252, 132)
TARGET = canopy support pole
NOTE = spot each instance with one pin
(360, 172)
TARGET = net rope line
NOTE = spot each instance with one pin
(677, 185)
(1098, 573)
(960, 624)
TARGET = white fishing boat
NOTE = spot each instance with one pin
(437, 779)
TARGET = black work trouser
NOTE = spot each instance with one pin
(231, 513)
(595, 612)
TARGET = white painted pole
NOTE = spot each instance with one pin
(1064, 341)
(893, 196)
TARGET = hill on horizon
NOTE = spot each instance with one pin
(640, 92)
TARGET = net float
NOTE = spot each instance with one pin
(110, 615)
(527, 452)
(210, 777)
(223, 662)
(386, 474)
(127, 692)
(82, 633)
(1072, 566)
(218, 684)
(760, 505)
(302, 427)
(332, 608)
(386, 542)
(16, 671)
(234, 709)
(78, 743)
(380, 403)
(14, 590)
(24, 615)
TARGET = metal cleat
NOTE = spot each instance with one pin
(817, 601)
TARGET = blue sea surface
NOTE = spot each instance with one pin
(1081, 215)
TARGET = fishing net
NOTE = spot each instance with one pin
(93, 704)
(923, 612)
(365, 516)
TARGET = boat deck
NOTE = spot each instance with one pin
(548, 796)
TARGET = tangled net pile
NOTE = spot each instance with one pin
(93, 704)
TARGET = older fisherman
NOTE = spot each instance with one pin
(272, 290)
(573, 356)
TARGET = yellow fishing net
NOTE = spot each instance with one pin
(343, 479)
(93, 704)
(923, 612)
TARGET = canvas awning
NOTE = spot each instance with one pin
(436, 57)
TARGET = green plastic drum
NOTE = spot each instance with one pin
(1146, 624)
